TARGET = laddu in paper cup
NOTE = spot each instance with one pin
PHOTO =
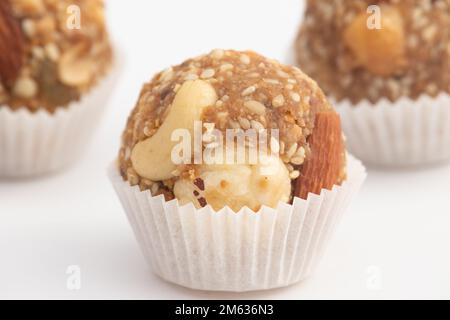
(398, 134)
(34, 144)
(227, 251)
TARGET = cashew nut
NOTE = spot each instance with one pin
(151, 158)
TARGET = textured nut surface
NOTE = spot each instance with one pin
(323, 169)
(11, 45)
(151, 158)
(25, 87)
(238, 185)
(380, 51)
(76, 67)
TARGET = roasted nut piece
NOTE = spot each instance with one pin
(11, 45)
(52, 90)
(324, 166)
(381, 51)
(187, 107)
(76, 66)
(25, 87)
(407, 56)
(237, 186)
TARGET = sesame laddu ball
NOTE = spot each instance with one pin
(52, 52)
(362, 49)
(225, 91)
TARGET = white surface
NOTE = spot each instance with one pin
(393, 243)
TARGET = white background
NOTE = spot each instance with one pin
(393, 243)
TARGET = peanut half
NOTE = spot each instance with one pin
(380, 51)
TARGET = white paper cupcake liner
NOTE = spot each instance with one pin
(226, 251)
(404, 133)
(33, 144)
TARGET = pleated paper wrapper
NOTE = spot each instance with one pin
(401, 134)
(226, 251)
(33, 144)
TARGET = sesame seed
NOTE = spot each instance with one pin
(167, 75)
(222, 115)
(217, 54)
(245, 124)
(52, 51)
(294, 174)
(292, 150)
(245, 59)
(295, 97)
(132, 177)
(191, 76)
(307, 99)
(147, 132)
(278, 101)
(274, 145)
(38, 52)
(29, 27)
(25, 87)
(234, 125)
(282, 74)
(429, 33)
(208, 73)
(301, 152)
(271, 81)
(147, 183)
(255, 107)
(298, 160)
(226, 67)
(282, 147)
(257, 125)
(248, 91)
(254, 75)
(154, 189)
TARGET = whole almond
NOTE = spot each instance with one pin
(11, 45)
(323, 168)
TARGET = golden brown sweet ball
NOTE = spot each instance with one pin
(52, 51)
(238, 91)
(364, 49)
